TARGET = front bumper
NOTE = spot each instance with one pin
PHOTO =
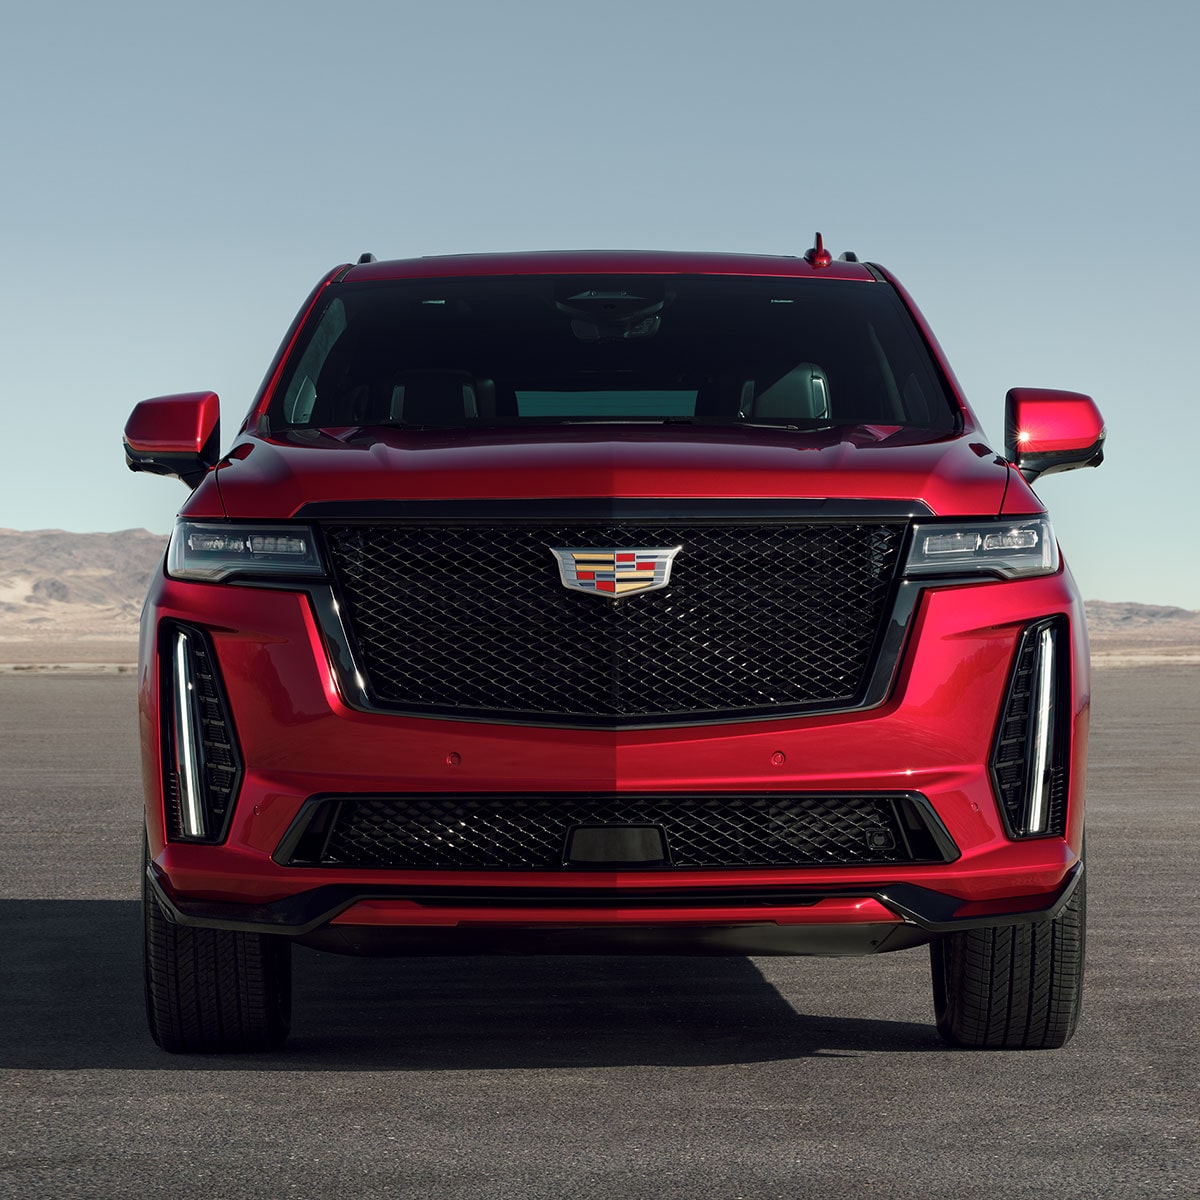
(299, 738)
(445, 920)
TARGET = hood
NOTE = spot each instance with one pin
(273, 478)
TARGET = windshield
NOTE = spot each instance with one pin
(550, 349)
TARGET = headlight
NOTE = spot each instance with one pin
(1010, 549)
(203, 550)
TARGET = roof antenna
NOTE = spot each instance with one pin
(367, 257)
(818, 256)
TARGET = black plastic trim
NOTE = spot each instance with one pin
(936, 912)
(742, 937)
(167, 733)
(1061, 742)
(191, 468)
(1033, 466)
(296, 916)
(925, 810)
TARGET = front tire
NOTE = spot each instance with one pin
(214, 990)
(1013, 987)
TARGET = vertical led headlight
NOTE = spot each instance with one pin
(202, 766)
(1029, 768)
(187, 738)
(1037, 806)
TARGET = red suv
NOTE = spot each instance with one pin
(613, 603)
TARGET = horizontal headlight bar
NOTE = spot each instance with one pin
(1010, 549)
(211, 551)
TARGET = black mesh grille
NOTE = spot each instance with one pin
(473, 619)
(530, 831)
(1012, 753)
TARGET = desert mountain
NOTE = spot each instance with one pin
(1151, 625)
(56, 585)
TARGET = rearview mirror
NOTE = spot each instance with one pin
(1047, 431)
(175, 435)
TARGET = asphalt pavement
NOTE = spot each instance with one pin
(588, 1077)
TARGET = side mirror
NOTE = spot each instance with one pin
(1047, 431)
(175, 435)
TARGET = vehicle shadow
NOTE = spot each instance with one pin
(71, 998)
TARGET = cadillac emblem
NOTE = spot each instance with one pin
(604, 571)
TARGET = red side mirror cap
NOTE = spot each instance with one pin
(1047, 431)
(175, 435)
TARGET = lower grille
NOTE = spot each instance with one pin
(498, 832)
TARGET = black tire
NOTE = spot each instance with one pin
(214, 991)
(1014, 987)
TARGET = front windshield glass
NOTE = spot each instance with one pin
(435, 353)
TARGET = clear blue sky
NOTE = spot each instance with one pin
(176, 177)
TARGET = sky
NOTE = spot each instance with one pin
(175, 178)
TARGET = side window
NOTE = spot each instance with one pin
(301, 396)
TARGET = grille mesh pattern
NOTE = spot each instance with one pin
(474, 619)
(530, 831)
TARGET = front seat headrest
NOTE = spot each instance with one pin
(802, 393)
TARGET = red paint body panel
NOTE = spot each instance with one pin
(280, 476)
(179, 424)
(1020, 499)
(300, 739)
(603, 262)
(1046, 421)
